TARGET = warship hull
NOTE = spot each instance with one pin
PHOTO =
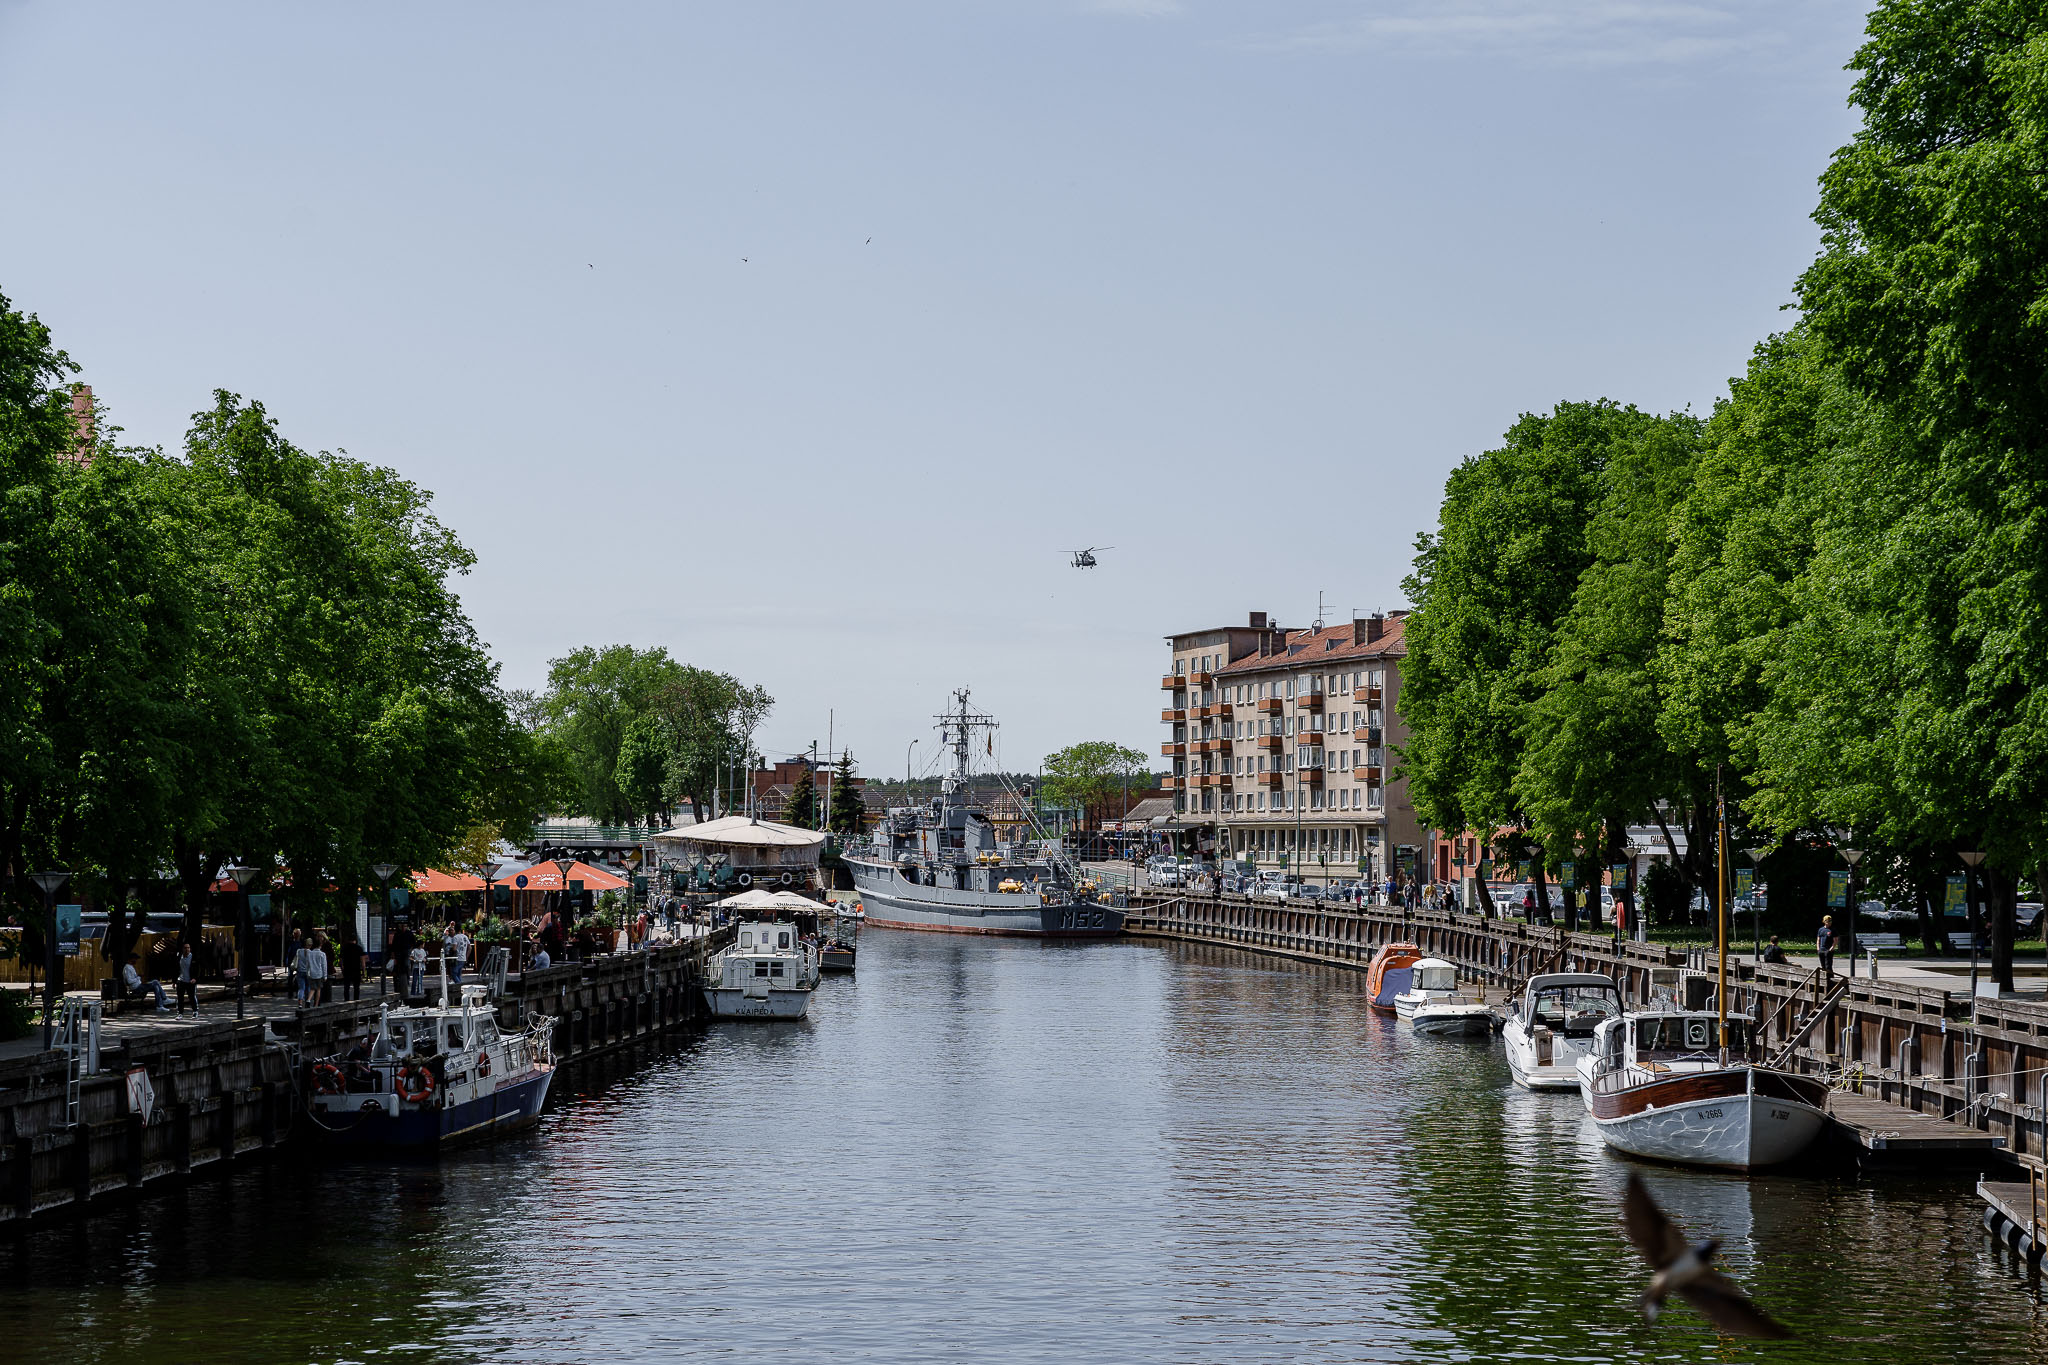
(894, 904)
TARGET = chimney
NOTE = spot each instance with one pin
(1366, 629)
(1258, 620)
(81, 419)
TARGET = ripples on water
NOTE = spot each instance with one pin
(1000, 1150)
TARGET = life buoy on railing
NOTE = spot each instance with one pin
(414, 1083)
(483, 1064)
(745, 879)
(787, 878)
(328, 1080)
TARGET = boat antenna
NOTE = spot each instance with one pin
(1721, 906)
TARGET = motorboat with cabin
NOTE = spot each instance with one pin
(768, 972)
(1390, 973)
(1433, 1003)
(1552, 1026)
(433, 1075)
(1659, 1084)
(941, 866)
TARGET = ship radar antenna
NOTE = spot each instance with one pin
(956, 729)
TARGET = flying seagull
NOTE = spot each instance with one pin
(1685, 1270)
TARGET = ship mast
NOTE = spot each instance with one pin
(956, 729)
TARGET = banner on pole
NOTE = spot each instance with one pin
(1956, 897)
(1838, 889)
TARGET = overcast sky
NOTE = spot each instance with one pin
(807, 340)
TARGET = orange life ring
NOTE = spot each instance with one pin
(328, 1080)
(414, 1083)
(483, 1063)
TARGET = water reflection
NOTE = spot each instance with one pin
(994, 1150)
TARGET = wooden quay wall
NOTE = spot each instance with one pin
(1921, 1050)
(227, 1090)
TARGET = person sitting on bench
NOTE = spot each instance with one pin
(133, 986)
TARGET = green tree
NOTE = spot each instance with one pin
(848, 814)
(1091, 773)
(643, 767)
(802, 810)
(593, 698)
(1931, 295)
(711, 719)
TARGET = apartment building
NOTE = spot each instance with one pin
(1281, 739)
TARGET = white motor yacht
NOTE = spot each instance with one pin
(769, 972)
(1552, 1025)
(1433, 1004)
(1659, 1085)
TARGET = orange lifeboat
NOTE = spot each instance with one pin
(1390, 974)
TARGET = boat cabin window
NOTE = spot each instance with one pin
(782, 939)
(1576, 1009)
(1436, 977)
(454, 1034)
(775, 969)
(746, 938)
(1674, 1033)
(760, 969)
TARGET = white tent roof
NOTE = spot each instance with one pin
(757, 899)
(743, 831)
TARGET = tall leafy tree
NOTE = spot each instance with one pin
(1094, 772)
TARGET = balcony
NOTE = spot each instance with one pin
(1213, 780)
(1173, 750)
(1173, 784)
(1174, 715)
(1209, 746)
(1214, 711)
(1366, 734)
(1269, 779)
(1270, 706)
(1173, 682)
(1369, 696)
(1369, 775)
(1309, 739)
(1273, 743)
(1311, 776)
(1309, 701)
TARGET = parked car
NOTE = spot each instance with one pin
(1274, 890)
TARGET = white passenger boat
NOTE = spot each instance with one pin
(1552, 1025)
(769, 972)
(1660, 1086)
(1433, 1003)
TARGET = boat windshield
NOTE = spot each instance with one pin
(1672, 1035)
(1578, 1008)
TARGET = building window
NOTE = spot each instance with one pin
(1372, 797)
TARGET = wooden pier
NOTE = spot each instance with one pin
(226, 1089)
(1919, 1072)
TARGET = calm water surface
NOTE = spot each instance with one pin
(998, 1150)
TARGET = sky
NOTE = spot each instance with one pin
(806, 341)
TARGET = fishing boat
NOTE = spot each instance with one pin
(1390, 974)
(769, 972)
(1433, 1003)
(1551, 1027)
(432, 1076)
(940, 866)
(1660, 1085)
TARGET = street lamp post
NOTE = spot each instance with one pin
(1851, 856)
(245, 956)
(1972, 861)
(562, 865)
(52, 963)
(382, 872)
(1756, 909)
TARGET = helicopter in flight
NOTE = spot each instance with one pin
(1085, 559)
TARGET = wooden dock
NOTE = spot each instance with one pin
(2016, 1212)
(1879, 1127)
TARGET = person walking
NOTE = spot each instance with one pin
(316, 969)
(351, 966)
(416, 971)
(458, 955)
(1825, 942)
(188, 984)
(294, 979)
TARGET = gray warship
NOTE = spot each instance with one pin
(940, 866)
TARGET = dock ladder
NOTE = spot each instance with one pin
(79, 1038)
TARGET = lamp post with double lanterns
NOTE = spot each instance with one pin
(53, 969)
(563, 865)
(1851, 856)
(383, 873)
(245, 956)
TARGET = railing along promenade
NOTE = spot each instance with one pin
(1923, 1050)
(226, 1089)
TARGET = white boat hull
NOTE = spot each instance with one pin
(1452, 1021)
(732, 1002)
(1736, 1132)
(1561, 1072)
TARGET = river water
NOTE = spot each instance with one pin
(1015, 1151)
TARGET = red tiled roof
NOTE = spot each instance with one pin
(1310, 648)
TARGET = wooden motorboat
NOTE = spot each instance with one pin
(1660, 1085)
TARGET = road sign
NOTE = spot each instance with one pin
(520, 881)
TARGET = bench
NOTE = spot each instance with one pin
(1959, 943)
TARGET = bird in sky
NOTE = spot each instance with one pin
(1686, 1269)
